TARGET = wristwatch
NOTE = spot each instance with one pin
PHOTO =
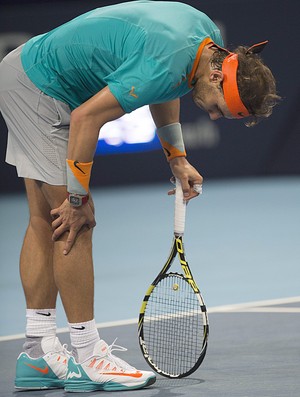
(76, 200)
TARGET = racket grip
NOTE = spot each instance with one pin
(180, 209)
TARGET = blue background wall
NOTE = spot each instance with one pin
(218, 149)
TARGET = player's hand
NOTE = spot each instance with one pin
(191, 180)
(73, 220)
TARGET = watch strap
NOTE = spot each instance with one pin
(83, 199)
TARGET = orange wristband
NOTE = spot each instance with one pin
(78, 177)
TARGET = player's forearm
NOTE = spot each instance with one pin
(86, 122)
(166, 118)
(165, 113)
(84, 131)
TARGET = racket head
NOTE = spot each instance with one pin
(173, 327)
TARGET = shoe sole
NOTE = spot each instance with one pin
(86, 386)
(38, 384)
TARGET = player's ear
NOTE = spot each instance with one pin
(216, 76)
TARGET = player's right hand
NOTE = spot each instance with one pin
(189, 177)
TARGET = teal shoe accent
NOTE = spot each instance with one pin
(35, 374)
(78, 381)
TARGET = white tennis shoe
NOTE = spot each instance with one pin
(46, 372)
(104, 371)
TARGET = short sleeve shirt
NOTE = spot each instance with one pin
(143, 51)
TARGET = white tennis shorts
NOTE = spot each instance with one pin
(38, 125)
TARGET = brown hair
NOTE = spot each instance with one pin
(256, 83)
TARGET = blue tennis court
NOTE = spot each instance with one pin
(242, 244)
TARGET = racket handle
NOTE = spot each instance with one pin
(180, 209)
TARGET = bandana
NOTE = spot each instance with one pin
(230, 85)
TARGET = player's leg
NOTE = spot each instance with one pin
(43, 364)
(73, 273)
(36, 260)
(74, 276)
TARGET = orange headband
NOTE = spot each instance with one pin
(230, 87)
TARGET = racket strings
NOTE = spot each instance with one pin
(174, 325)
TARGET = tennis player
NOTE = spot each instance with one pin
(56, 92)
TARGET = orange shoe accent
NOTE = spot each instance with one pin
(65, 361)
(58, 358)
(92, 363)
(134, 375)
(42, 370)
(107, 366)
(100, 365)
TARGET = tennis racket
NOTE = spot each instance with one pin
(173, 324)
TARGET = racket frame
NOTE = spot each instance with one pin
(177, 249)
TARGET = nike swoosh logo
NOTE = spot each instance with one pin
(80, 328)
(42, 370)
(44, 314)
(133, 375)
(76, 165)
(167, 151)
(132, 92)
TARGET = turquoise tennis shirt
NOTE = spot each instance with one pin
(144, 51)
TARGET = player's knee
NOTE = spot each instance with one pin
(40, 224)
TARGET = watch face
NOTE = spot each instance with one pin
(74, 200)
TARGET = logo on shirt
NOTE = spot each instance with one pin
(180, 82)
(132, 93)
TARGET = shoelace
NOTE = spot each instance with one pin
(65, 350)
(118, 361)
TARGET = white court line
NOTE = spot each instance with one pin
(269, 310)
(243, 307)
(256, 306)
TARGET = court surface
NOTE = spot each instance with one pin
(242, 243)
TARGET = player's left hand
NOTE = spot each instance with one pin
(191, 180)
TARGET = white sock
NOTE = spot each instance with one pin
(83, 336)
(40, 322)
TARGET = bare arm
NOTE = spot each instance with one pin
(166, 113)
(85, 124)
(169, 113)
